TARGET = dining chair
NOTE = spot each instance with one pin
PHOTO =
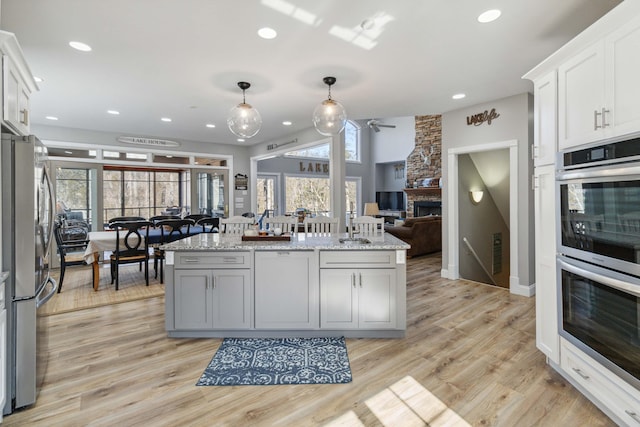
(125, 219)
(170, 231)
(288, 224)
(321, 225)
(134, 247)
(236, 224)
(156, 218)
(72, 241)
(197, 217)
(209, 224)
(369, 225)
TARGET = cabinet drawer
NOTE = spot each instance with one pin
(357, 259)
(213, 259)
(613, 393)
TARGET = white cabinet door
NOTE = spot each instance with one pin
(192, 299)
(623, 69)
(581, 98)
(338, 299)
(16, 98)
(547, 338)
(359, 298)
(3, 359)
(377, 298)
(231, 301)
(545, 118)
(286, 290)
(212, 299)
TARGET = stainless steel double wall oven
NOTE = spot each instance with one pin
(598, 190)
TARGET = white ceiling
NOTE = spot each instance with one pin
(182, 58)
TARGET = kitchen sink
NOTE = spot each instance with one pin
(360, 240)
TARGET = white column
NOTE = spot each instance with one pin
(337, 174)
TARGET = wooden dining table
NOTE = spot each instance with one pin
(105, 241)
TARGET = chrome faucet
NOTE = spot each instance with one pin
(350, 227)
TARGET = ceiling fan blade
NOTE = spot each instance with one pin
(386, 126)
(375, 127)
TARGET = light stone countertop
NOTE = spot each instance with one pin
(300, 241)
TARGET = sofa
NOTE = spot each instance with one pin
(424, 234)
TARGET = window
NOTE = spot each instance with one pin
(141, 192)
(314, 195)
(321, 151)
(266, 193)
(73, 193)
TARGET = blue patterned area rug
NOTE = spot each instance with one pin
(271, 361)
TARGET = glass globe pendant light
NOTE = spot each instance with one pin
(244, 120)
(329, 117)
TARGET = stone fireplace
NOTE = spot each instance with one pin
(425, 162)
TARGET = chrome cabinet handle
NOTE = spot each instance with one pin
(207, 282)
(604, 122)
(25, 117)
(190, 260)
(595, 119)
(353, 279)
(213, 282)
(579, 372)
(360, 277)
(633, 415)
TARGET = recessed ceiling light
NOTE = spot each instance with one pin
(51, 118)
(169, 156)
(267, 33)
(210, 125)
(287, 123)
(68, 152)
(458, 96)
(38, 79)
(80, 46)
(489, 16)
(165, 119)
(240, 140)
(114, 112)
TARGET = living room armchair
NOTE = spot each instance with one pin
(424, 234)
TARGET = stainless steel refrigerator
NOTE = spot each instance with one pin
(27, 227)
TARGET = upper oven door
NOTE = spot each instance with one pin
(599, 216)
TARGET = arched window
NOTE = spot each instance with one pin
(321, 151)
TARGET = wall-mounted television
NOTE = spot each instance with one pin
(390, 200)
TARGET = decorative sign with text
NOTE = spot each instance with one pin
(478, 119)
(314, 167)
(148, 141)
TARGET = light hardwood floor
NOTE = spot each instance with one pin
(469, 358)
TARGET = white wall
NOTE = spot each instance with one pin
(515, 123)
(393, 144)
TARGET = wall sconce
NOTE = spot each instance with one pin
(476, 196)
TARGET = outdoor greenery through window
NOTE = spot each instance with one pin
(351, 146)
(313, 194)
(141, 192)
(73, 193)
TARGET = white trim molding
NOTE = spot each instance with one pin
(452, 271)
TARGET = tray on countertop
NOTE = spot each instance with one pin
(267, 238)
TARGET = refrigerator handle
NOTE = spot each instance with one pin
(49, 185)
(42, 301)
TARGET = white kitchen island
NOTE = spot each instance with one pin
(220, 286)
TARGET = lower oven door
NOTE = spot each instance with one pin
(600, 314)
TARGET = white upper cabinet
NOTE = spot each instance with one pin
(545, 118)
(622, 50)
(17, 85)
(598, 91)
(581, 98)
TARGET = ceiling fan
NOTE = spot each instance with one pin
(376, 125)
